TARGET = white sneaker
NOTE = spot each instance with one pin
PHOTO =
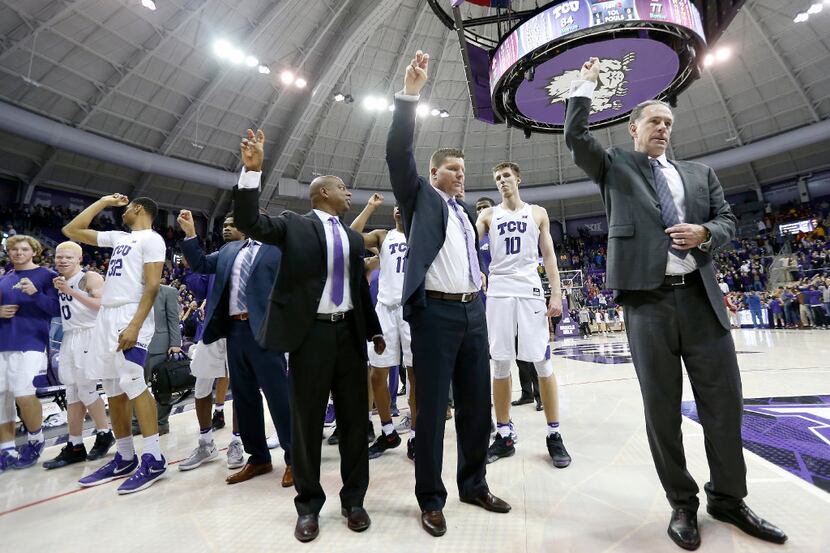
(405, 425)
(236, 455)
(204, 453)
(273, 442)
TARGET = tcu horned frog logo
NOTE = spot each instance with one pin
(611, 83)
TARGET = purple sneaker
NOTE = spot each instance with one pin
(7, 460)
(147, 474)
(115, 469)
(329, 415)
(28, 455)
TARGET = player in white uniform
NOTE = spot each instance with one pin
(123, 330)
(391, 247)
(79, 293)
(517, 319)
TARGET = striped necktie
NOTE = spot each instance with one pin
(244, 273)
(668, 210)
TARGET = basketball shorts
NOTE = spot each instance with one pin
(525, 318)
(395, 334)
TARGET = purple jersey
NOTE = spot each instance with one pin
(28, 330)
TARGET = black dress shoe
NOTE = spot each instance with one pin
(489, 502)
(434, 523)
(683, 529)
(523, 400)
(358, 518)
(743, 517)
(307, 528)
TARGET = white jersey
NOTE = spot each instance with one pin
(514, 252)
(392, 267)
(124, 282)
(74, 314)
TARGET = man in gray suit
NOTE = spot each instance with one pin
(664, 219)
(166, 341)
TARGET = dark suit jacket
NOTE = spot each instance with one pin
(264, 272)
(166, 315)
(637, 242)
(299, 286)
(423, 211)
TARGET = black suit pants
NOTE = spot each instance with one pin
(665, 326)
(330, 359)
(449, 346)
(252, 369)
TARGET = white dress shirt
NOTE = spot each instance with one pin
(236, 279)
(251, 179)
(326, 304)
(674, 264)
(450, 270)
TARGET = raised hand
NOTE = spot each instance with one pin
(590, 70)
(185, 220)
(375, 201)
(115, 200)
(26, 286)
(252, 150)
(61, 285)
(416, 74)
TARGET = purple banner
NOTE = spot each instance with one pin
(567, 327)
(631, 70)
(575, 15)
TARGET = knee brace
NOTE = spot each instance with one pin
(544, 368)
(204, 387)
(7, 411)
(501, 369)
(131, 386)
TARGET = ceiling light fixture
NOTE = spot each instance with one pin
(339, 97)
(222, 48)
(287, 77)
(815, 8)
(300, 83)
(149, 4)
(723, 54)
(251, 61)
(422, 110)
(801, 18)
(444, 114)
(236, 56)
(264, 69)
(708, 60)
(391, 107)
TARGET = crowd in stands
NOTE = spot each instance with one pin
(786, 275)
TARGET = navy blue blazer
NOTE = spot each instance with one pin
(263, 275)
(423, 211)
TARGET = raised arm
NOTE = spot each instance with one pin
(549, 260)
(589, 155)
(403, 173)
(78, 228)
(370, 239)
(246, 215)
(88, 293)
(192, 250)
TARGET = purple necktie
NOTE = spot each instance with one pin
(472, 256)
(338, 273)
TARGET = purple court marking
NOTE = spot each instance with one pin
(632, 70)
(791, 432)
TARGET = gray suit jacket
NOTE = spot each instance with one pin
(166, 312)
(637, 243)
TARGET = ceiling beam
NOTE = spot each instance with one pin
(785, 65)
(358, 27)
(39, 25)
(391, 75)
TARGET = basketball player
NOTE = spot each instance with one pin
(391, 246)
(517, 321)
(79, 292)
(28, 301)
(123, 330)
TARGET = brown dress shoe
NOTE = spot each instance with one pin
(287, 477)
(307, 528)
(434, 523)
(248, 472)
(489, 502)
(358, 518)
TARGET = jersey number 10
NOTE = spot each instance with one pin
(512, 245)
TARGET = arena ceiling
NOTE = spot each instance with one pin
(153, 80)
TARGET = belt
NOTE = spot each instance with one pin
(333, 317)
(674, 281)
(239, 317)
(463, 298)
